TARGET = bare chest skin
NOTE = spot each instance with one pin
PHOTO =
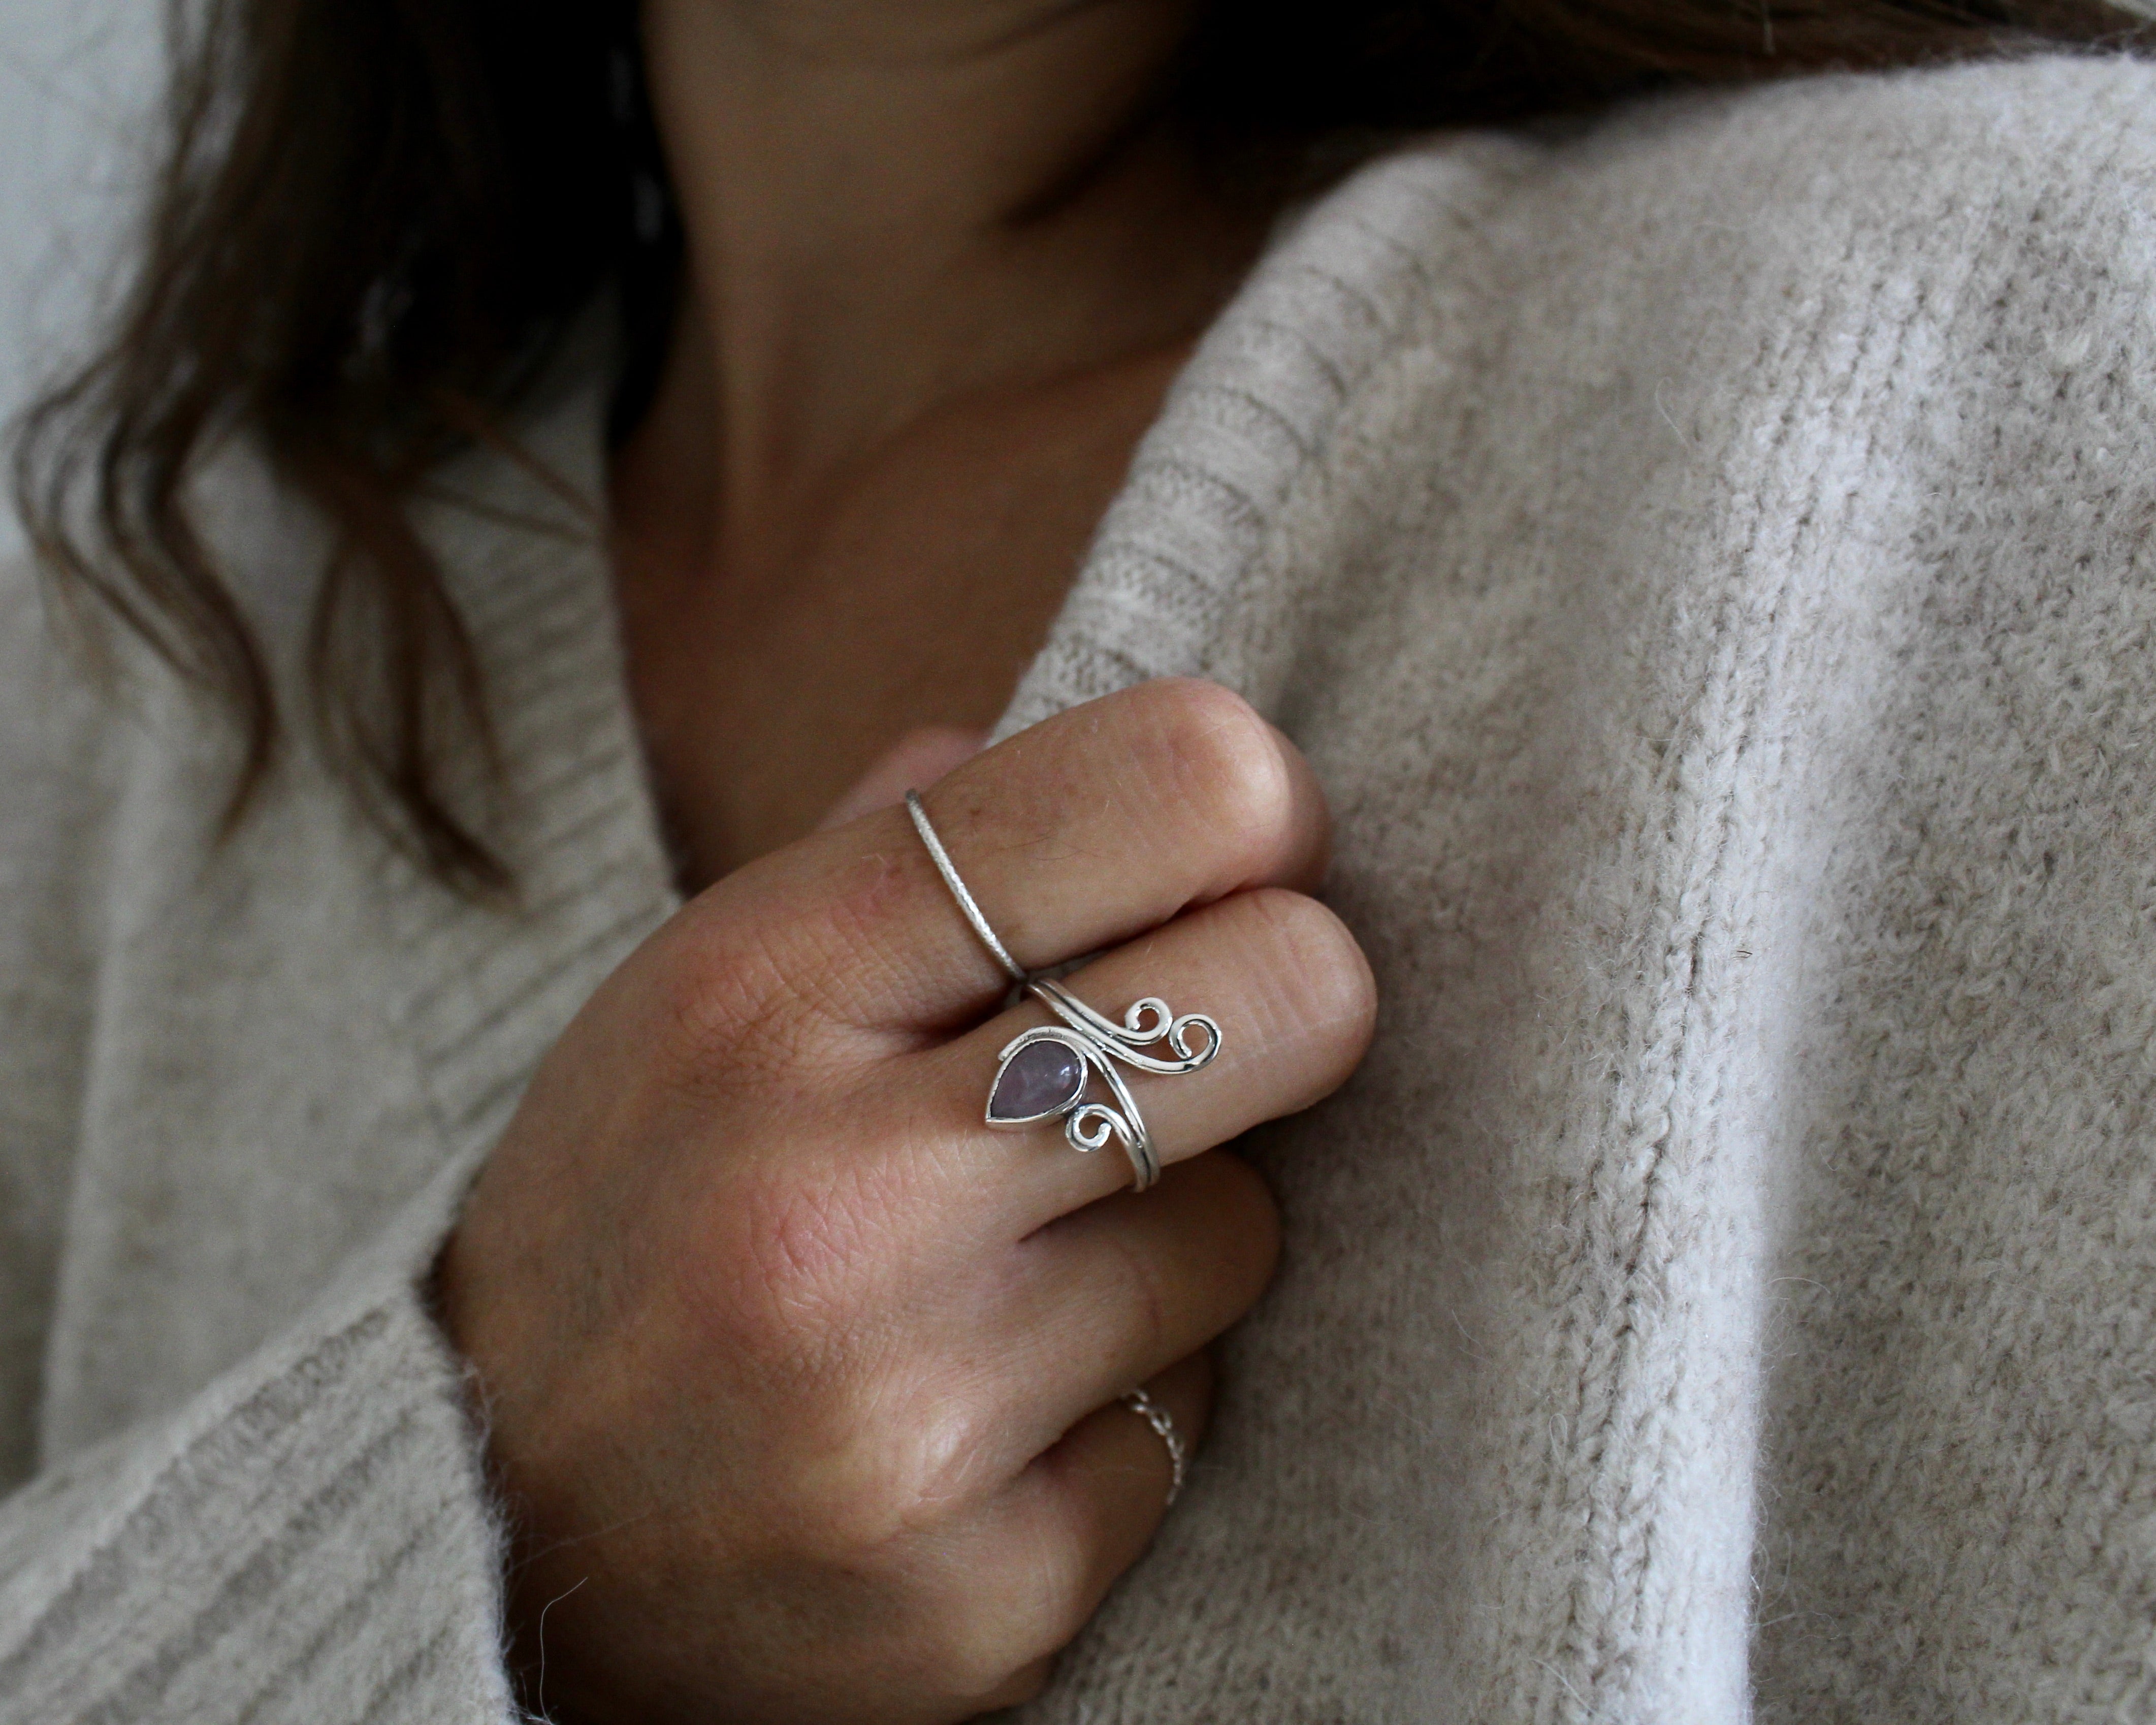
(913, 592)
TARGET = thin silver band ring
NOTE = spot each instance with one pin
(1044, 1074)
(949, 869)
(1155, 1415)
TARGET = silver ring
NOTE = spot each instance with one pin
(1044, 1073)
(949, 870)
(1155, 1415)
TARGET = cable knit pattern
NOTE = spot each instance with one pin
(1707, 556)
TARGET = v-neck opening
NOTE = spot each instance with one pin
(1155, 595)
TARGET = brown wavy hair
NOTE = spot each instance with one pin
(375, 220)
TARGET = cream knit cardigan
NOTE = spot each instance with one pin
(1707, 557)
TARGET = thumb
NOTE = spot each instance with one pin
(913, 763)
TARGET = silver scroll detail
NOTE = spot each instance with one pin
(1100, 1044)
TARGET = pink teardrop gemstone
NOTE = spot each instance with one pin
(1041, 1079)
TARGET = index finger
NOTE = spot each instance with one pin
(1089, 828)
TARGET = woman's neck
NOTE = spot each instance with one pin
(892, 205)
(944, 258)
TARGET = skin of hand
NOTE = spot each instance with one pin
(802, 1384)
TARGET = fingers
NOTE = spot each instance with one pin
(1118, 1292)
(1279, 973)
(1050, 1547)
(1111, 1475)
(1118, 816)
(1074, 835)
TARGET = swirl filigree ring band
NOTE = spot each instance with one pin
(1044, 1073)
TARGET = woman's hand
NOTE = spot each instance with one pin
(802, 1382)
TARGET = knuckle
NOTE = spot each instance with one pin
(853, 945)
(1225, 765)
(797, 1254)
(770, 983)
(886, 1470)
(799, 1251)
(729, 1009)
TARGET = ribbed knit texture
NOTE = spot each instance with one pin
(1707, 558)
(243, 1090)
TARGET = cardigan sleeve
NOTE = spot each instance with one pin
(309, 1537)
